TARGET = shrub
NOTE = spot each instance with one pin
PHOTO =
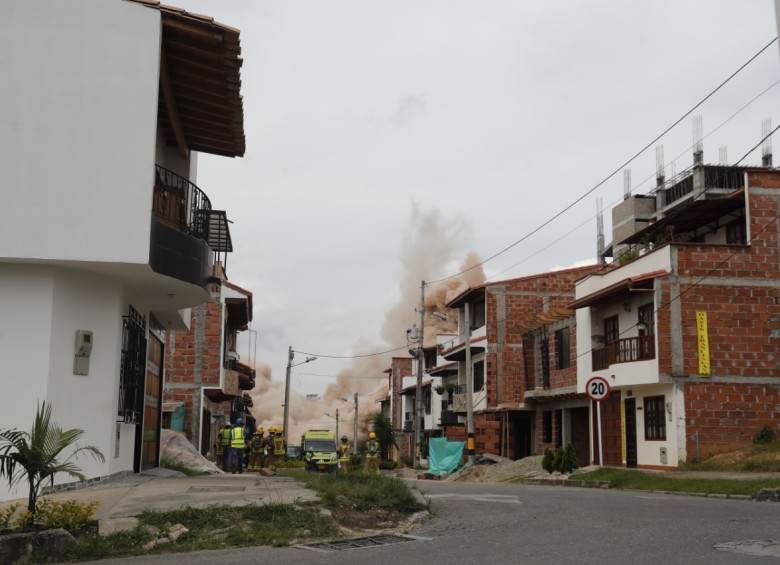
(557, 460)
(7, 515)
(356, 461)
(547, 460)
(407, 460)
(51, 514)
(568, 460)
(766, 434)
(388, 465)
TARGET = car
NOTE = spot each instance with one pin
(293, 452)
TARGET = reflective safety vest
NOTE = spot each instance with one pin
(237, 438)
(373, 447)
(226, 436)
(279, 445)
(257, 443)
(344, 452)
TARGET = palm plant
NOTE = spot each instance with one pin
(34, 455)
(383, 429)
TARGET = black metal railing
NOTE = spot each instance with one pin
(180, 203)
(640, 348)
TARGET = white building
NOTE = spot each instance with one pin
(105, 238)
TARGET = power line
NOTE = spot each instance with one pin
(612, 174)
(376, 354)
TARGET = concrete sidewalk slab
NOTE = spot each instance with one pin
(120, 501)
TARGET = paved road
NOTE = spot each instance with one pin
(473, 523)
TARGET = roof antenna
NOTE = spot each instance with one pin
(600, 230)
(626, 184)
(698, 143)
(724, 155)
(766, 146)
(659, 166)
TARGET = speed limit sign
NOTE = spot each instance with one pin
(597, 388)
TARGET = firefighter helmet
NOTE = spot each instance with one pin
(344, 439)
(259, 431)
(372, 435)
(279, 430)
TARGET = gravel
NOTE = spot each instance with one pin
(503, 470)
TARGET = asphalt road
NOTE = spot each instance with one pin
(476, 523)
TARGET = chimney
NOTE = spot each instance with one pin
(660, 176)
(766, 144)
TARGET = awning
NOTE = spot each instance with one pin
(639, 283)
(171, 406)
(543, 319)
(216, 395)
(443, 370)
(458, 353)
(692, 216)
(413, 388)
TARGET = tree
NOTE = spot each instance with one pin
(383, 429)
(35, 455)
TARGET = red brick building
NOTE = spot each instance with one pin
(522, 346)
(205, 382)
(686, 329)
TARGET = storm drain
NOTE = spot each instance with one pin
(357, 543)
(216, 489)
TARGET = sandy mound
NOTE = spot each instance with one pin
(176, 446)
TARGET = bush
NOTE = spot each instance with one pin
(51, 514)
(547, 460)
(766, 434)
(568, 460)
(388, 465)
(407, 460)
(557, 460)
(356, 461)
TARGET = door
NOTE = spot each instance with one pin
(150, 442)
(522, 432)
(631, 456)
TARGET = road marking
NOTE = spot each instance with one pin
(505, 498)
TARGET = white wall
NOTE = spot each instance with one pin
(648, 452)
(79, 118)
(42, 309)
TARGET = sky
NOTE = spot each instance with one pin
(394, 142)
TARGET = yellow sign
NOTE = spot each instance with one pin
(623, 430)
(703, 342)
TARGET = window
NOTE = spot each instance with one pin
(477, 314)
(479, 376)
(547, 426)
(562, 349)
(132, 371)
(735, 232)
(611, 329)
(427, 400)
(544, 351)
(655, 418)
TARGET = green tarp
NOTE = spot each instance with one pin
(444, 456)
(177, 419)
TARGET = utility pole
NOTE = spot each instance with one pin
(418, 391)
(354, 440)
(469, 387)
(286, 420)
(337, 422)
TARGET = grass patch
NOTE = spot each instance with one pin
(214, 527)
(363, 491)
(760, 457)
(638, 480)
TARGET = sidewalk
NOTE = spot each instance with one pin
(162, 489)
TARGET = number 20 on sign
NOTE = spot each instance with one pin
(597, 389)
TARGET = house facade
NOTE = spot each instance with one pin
(521, 346)
(206, 383)
(686, 328)
(108, 242)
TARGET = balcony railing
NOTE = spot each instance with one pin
(181, 204)
(641, 348)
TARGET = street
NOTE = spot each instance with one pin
(474, 522)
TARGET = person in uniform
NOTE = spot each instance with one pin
(343, 448)
(257, 447)
(237, 445)
(226, 447)
(372, 454)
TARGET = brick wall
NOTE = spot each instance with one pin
(727, 416)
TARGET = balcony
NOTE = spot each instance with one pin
(641, 348)
(188, 237)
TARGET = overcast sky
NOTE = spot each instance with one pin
(369, 122)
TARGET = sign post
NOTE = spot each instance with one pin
(597, 389)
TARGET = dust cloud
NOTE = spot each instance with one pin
(429, 248)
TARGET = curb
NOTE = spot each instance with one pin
(605, 485)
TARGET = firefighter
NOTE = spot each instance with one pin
(270, 459)
(372, 454)
(257, 447)
(226, 447)
(343, 449)
(237, 445)
(279, 444)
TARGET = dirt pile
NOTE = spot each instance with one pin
(176, 446)
(502, 470)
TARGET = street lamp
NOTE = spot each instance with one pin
(290, 357)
